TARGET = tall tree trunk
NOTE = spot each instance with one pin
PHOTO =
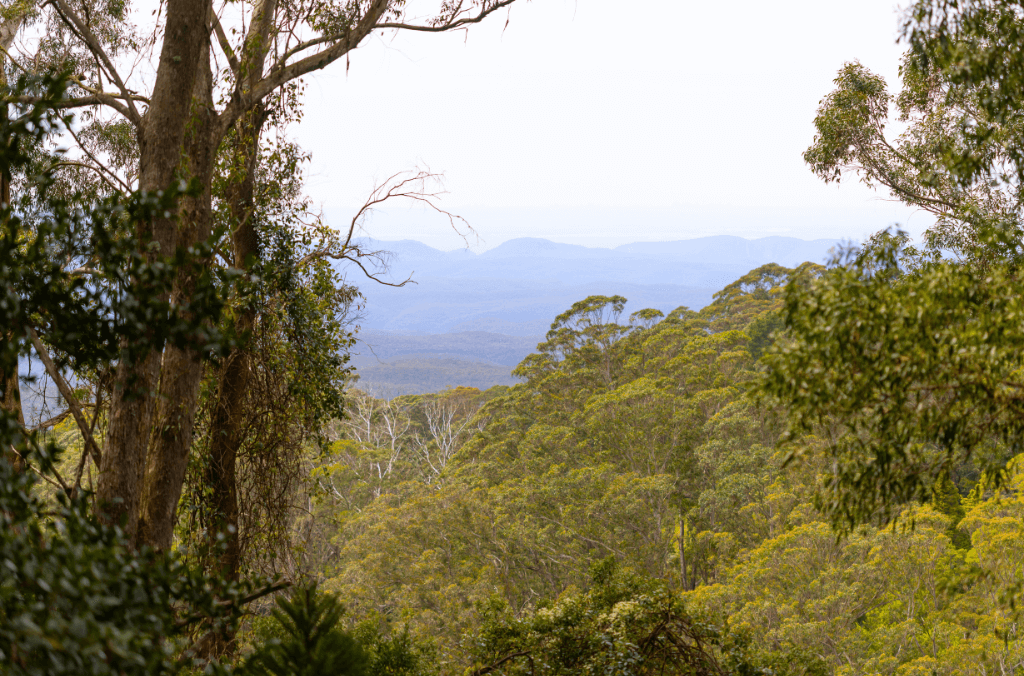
(229, 409)
(182, 368)
(226, 424)
(119, 487)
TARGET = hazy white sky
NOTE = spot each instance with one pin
(602, 122)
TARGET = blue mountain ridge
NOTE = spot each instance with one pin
(518, 287)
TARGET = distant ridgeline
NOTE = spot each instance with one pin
(470, 318)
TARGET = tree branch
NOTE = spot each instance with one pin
(269, 589)
(69, 396)
(482, 671)
(92, 429)
(348, 41)
(98, 164)
(255, 47)
(83, 165)
(225, 44)
(75, 22)
(79, 102)
(485, 11)
(9, 28)
(397, 186)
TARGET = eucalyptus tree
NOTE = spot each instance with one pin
(220, 73)
(975, 46)
(907, 361)
(852, 141)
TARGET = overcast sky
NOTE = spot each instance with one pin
(593, 122)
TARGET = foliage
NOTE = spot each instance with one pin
(851, 138)
(312, 643)
(910, 358)
(975, 47)
(75, 598)
(895, 600)
(652, 446)
(622, 625)
(88, 310)
(393, 653)
(914, 375)
(660, 494)
(904, 364)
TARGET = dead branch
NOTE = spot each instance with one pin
(398, 186)
(408, 185)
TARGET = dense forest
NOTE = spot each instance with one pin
(637, 455)
(820, 472)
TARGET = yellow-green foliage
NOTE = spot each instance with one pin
(900, 600)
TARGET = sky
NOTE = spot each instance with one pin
(593, 122)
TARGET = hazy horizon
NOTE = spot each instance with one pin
(611, 227)
(541, 131)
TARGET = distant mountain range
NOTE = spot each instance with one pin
(470, 317)
(518, 287)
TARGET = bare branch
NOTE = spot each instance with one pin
(403, 185)
(98, 90)
(353, 254)
(482, 671)
(60, 483)
(98, 164)
(92, 430)
(83, 165)
(398, 188)
(228, 603)
(54, 421)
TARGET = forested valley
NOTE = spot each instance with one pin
(820, 472)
